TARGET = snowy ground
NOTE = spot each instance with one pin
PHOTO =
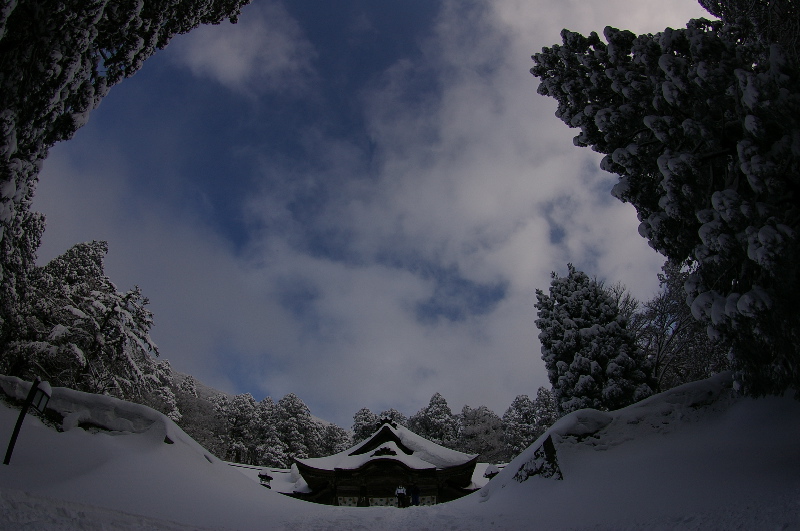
(695, 457)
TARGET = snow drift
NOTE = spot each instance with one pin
(695, 457)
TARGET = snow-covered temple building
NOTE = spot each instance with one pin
(370, 472)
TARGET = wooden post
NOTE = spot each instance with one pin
(25, 406)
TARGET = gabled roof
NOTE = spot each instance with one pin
(392, 442)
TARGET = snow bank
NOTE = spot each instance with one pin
(600, 430)
(77, 407)
(695, 457)
(108, 413)
(24, 511)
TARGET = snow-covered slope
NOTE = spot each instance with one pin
(696, 457)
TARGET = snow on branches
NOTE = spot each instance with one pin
(57, 61)
(702, 125)
(81, 332)
(591, 357)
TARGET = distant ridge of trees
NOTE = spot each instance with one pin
(240, 429)
(474, 430)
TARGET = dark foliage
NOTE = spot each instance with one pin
(702, 125)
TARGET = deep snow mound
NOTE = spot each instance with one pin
(695, 457)
(107, 413)
(600, 430)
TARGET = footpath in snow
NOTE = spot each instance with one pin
(695, 457)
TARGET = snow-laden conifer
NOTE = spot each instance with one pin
(333, 439)
(297, 428)
(481, 432)
(773, 21)
(57, 61)
(519, 425)
(525, 420)
(365, 422)
(702, 125)
(393, 415)
(591, 357)
(80, 332)
(269, 449)
(239, 429)
(435, 422)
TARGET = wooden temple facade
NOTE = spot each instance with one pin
(369, 473)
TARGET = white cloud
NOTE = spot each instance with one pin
(479, 178)
(265, 51)
(471, 178)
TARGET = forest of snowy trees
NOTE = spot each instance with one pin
(268, 433)
(472, 430)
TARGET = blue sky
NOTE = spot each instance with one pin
(351, 201)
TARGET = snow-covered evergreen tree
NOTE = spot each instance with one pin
(526, 420)
(189, 386)
(545, 410)
(702, 124)
(294, 433)
(270, 450)
(395, 416)
(481, 432)
(200, 418)
(163, 399)
(519, 425)
(274, 434)
(80, 332)
(365, 422)
(57, 61)
(296, 427)
(333, 439)
(591, 357)
(773, 21)
(435, 422)
(239, 437)
(161, 396)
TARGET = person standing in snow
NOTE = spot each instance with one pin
(414, 491)
(400, 492)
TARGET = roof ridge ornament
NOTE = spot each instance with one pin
(387, 420)
(383, 450)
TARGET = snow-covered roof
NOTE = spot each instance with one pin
(396, 443)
